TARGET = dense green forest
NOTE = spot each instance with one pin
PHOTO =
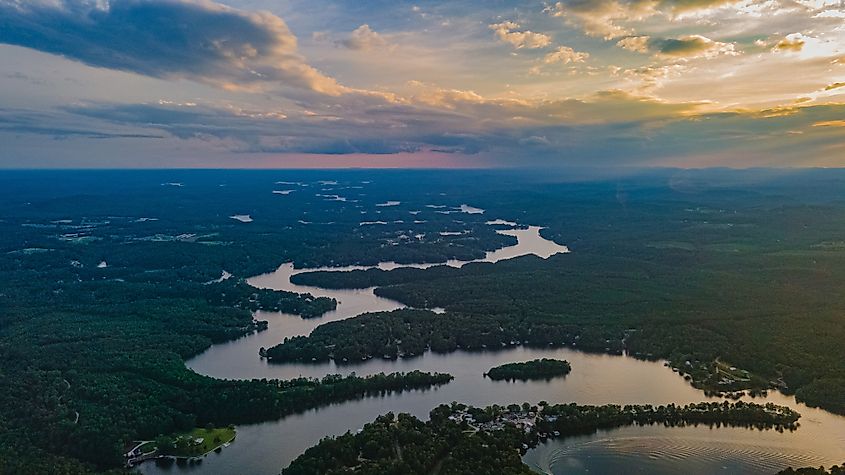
(91, 362)
(696, 273)
(458, 439)
(544, 368)
(237, 293)
(404, 444)
(110, 284)
(407, 333)
(110, 280)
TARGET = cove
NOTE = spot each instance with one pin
(595, 379)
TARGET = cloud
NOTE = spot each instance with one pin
(602, 17)
(364, 38)
(535, 140)
(830, 123)
(565, 55)
(639, 44)
(608, 18)
(561, 55)
(469, 108)
(61, 126)
(369, 130)
(607, 128)
(652, 76)
(192, 39)
(507, 33)
(690, 46)
(470, 98)
(790, 43)
(433, 119)
(26, 78)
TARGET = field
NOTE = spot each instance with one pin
(200, 441)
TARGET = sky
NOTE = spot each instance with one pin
(392, 83)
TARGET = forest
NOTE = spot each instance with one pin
(407, 333)
(237, 293)
(543, 368)
(111, 280)
(459, 439)
(715, 272)
(109, 284)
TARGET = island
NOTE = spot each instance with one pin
(458, 439)
(545, 368)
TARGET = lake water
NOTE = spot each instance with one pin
(238, 359)
(595, 379)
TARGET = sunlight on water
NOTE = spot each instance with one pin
(595, 379)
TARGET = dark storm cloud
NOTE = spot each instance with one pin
(59, 126)
(251, 131)
(193, 39)
(785, 133)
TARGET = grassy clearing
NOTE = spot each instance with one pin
(199, 441)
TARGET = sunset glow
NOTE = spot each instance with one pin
(255, 83)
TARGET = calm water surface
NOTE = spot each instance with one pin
(595, 379)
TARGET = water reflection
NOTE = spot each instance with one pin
(595, 379)
(658, 450)
(238, 359)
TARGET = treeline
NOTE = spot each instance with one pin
(237, 293)
(574, 419)
(406, 333)
(460, 439)
(544, 368)
(834, 470)
(828, 393)
(361, 279)
(260, 400)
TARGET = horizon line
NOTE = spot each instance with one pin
(498, 168)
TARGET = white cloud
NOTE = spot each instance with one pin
(565, 55)
(507, 32)
(611, 19)
(602, 17)
(637, 44)
(364, 38)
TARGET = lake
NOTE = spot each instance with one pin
(595, 379)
